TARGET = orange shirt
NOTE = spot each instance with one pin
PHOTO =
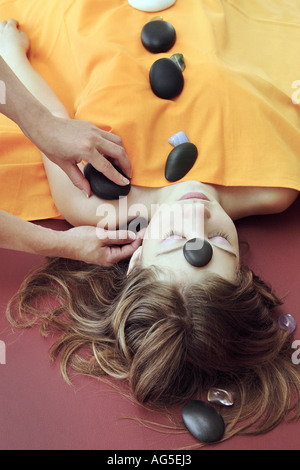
(242, 66)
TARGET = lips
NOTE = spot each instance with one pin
(194, 196)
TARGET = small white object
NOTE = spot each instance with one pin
(179, 138)
(221, 397)
(151, 5)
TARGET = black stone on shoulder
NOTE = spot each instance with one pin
(166, 79)
(195, 256)
(158, 36)
(104, 187)
(203, 421)
(180, 161)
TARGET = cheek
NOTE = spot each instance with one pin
(158, 226)
(229, 227)
(153, 230)
(148, 252)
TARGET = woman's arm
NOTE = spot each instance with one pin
(86, 243)
(240, 202)
(27, 99)
(69, 200)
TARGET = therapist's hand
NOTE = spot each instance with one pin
(67, 142)
(95, 245)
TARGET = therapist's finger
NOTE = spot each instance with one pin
(115, 253)
(112, 146)
(102, 164)
(77, 178)
(115, 237)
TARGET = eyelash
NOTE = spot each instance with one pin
(220, 234)
(171, 233)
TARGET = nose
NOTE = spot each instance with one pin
(207, 213)
(194, 217)
(190, 209)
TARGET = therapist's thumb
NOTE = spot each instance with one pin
(77, 178)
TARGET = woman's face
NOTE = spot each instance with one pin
(186, 215)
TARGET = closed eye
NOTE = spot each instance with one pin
(220, 238)
(220, 241)
(171, 236)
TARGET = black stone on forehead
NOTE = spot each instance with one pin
(198, 252)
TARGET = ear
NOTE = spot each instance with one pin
(135, 259)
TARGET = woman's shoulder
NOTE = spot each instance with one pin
(277, 200)
(245, 201)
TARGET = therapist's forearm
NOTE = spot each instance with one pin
(18, 104)
(20, 235)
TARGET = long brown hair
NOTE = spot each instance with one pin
(170, 342)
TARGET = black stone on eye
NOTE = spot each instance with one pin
(198, 252)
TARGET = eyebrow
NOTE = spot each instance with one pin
(179, 247)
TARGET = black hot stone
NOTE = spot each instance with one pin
(166, 79)
(198, 257)
(102, 186)
(203, 421)
(158, 36)
(180, 160)
(135, 225)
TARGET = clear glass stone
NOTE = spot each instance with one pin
(287, 322)
(179, 138)
(179, 61)
(220, 396)
(157, 18)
